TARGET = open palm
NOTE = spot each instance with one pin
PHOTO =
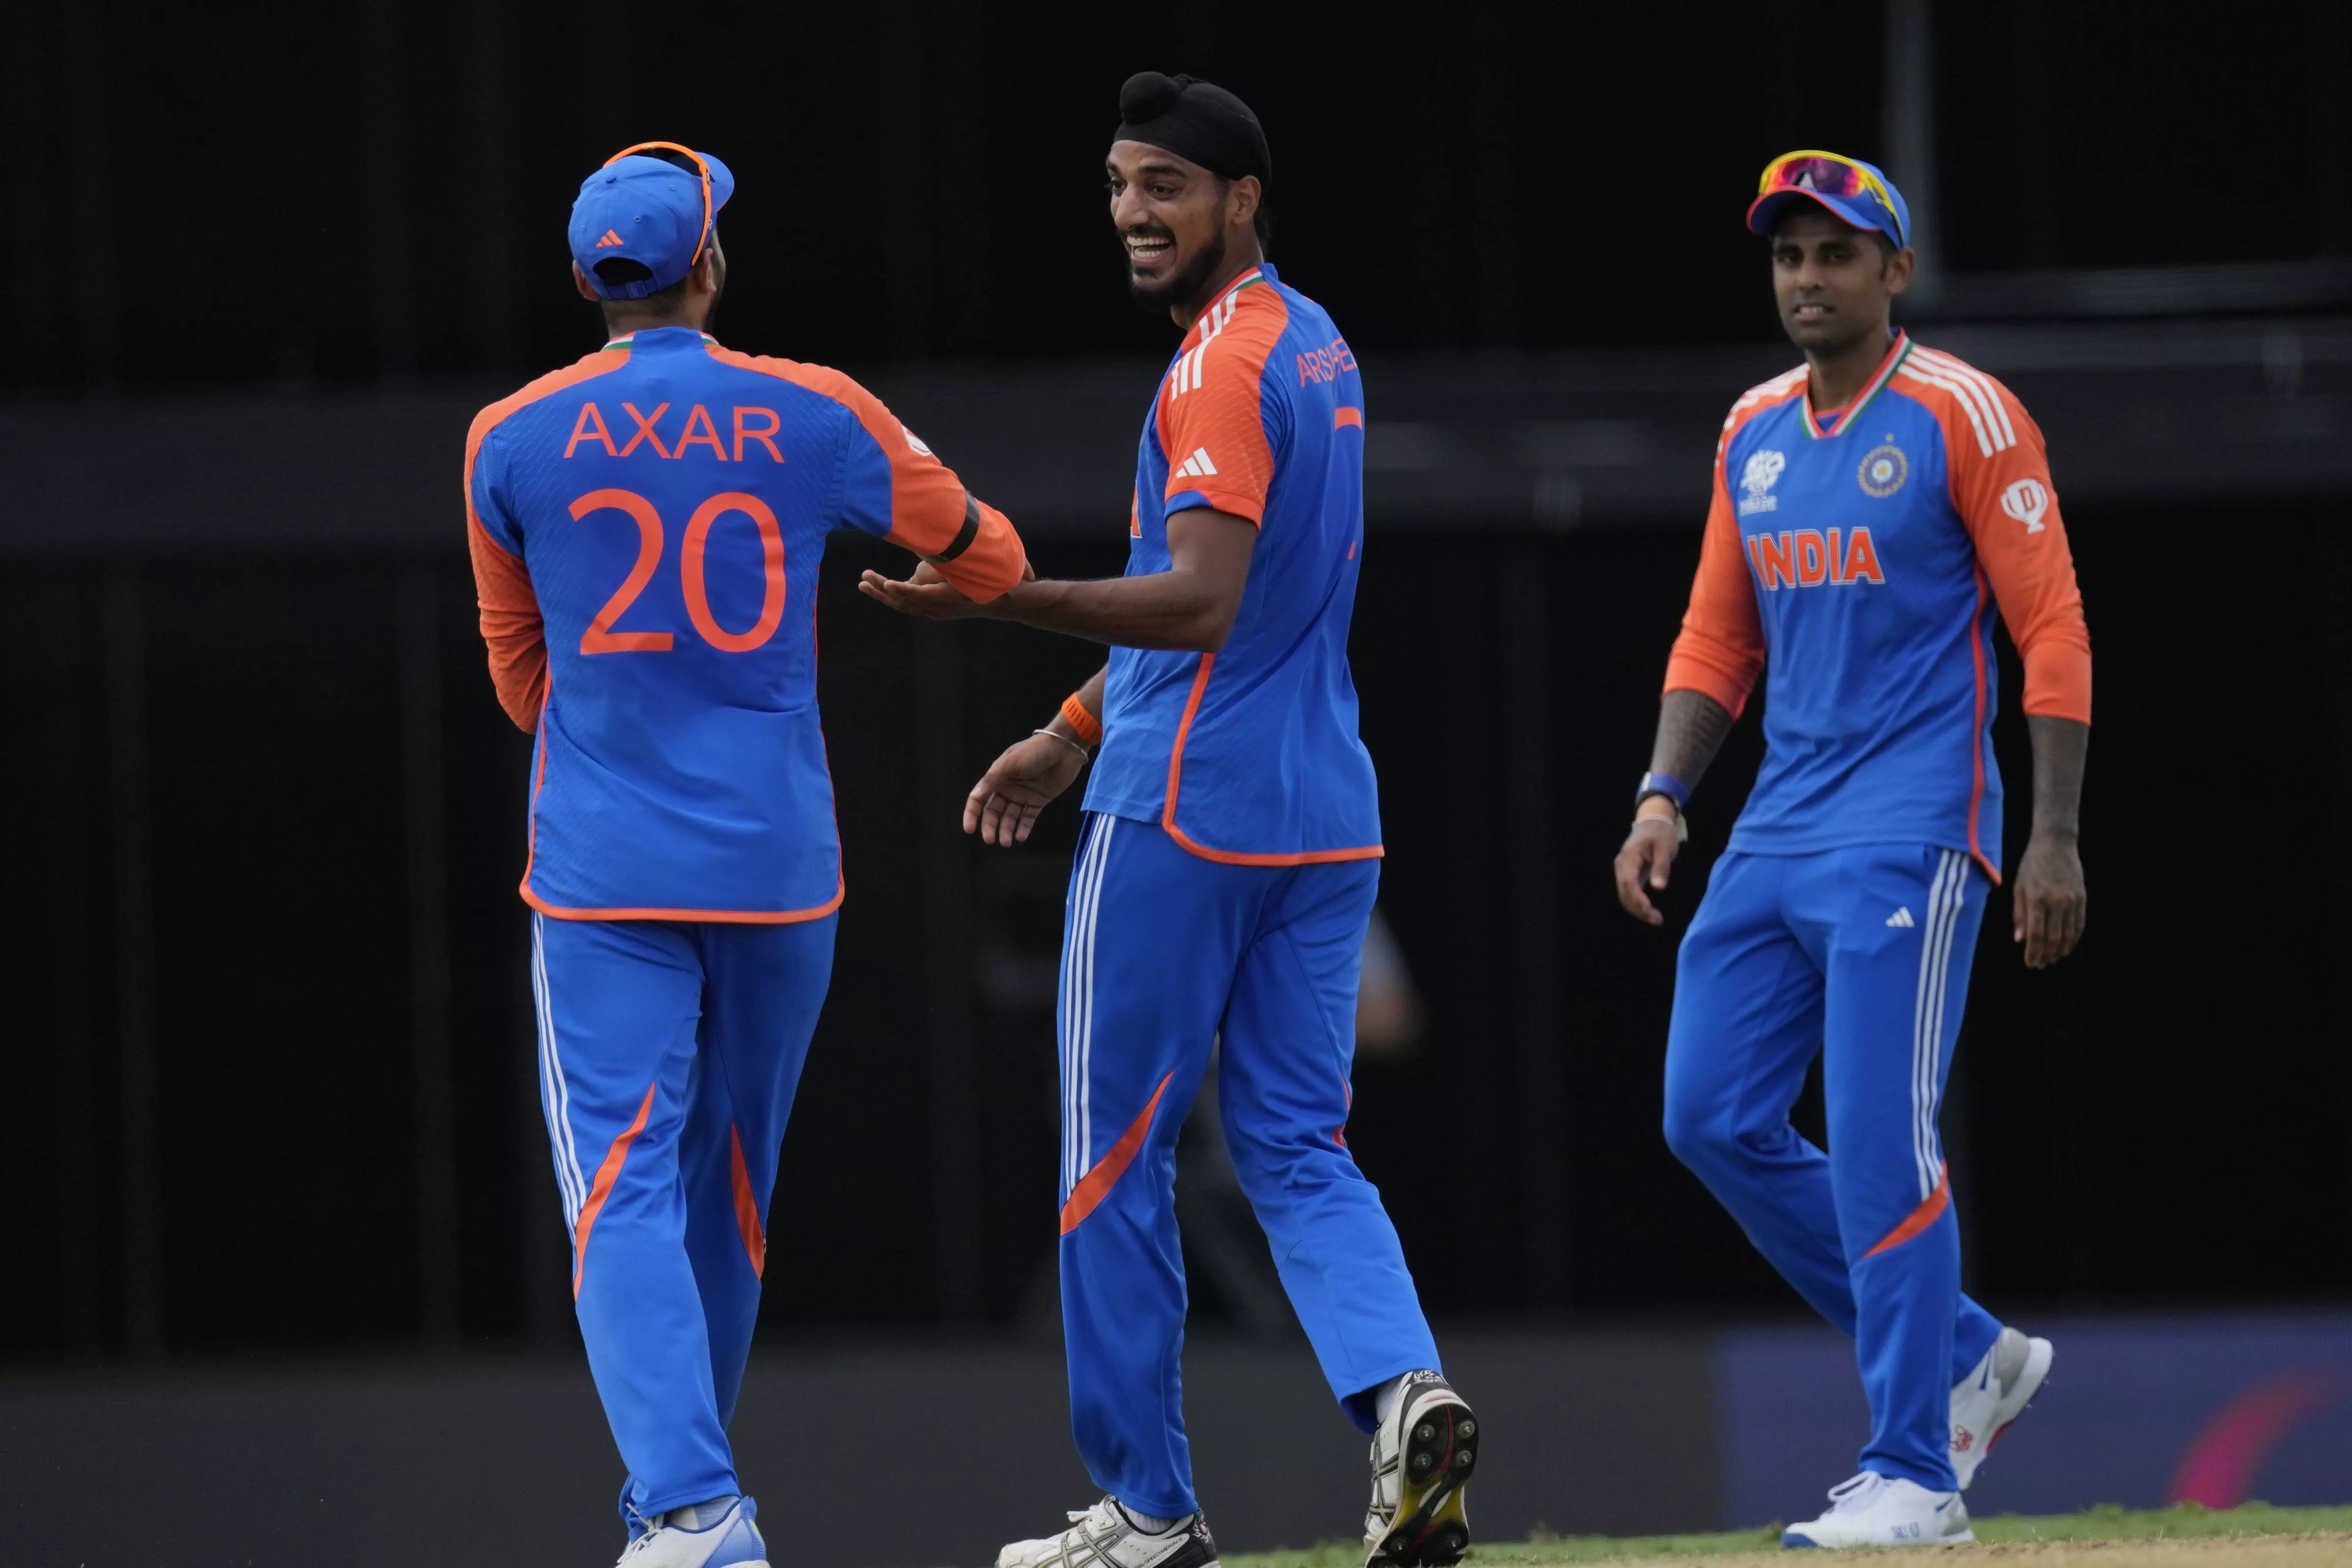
(1003, 806)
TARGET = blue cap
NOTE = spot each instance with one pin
(1858, 192)
(649, 211)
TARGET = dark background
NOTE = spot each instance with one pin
(264, 1021)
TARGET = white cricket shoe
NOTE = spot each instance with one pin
(1873, 1511)
(1996, 1393)
(1104, 1536)
(679, 1539)
(1422, 1458)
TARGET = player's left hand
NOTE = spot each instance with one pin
(1003, 806)
(926, 594)
(2050, 901)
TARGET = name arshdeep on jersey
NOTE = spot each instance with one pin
(1251, 753)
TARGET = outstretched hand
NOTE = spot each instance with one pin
(2050, 904)
(1003, 806)
(1643, 866)
(924, 594)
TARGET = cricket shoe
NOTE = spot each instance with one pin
(1422, 1458)
(679, 1539)
(1104, 1536)
(1873, 1511)
(1996, 1393)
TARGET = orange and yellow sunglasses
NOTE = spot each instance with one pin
(1848, 186)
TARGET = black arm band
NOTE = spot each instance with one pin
(964, 535)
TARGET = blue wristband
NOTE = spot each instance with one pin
(1665, 784)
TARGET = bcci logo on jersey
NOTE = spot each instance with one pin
(1756, 480)
(1883, 472)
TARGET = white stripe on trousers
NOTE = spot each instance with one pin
(1947, 894)
(554, 1096)
(1078, 1000)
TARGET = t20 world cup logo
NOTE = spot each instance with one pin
(1757, 479)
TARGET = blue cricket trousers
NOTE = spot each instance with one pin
(669, 1052)
(1163, 953)
(1861, 955)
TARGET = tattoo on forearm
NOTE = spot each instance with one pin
(1691, 727)
(2062, 747)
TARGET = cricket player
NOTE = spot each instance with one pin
(1873, 510)
(1226, 867)
(646, 525)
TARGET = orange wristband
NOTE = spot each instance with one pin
(1075, 714)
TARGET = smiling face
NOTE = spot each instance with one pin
(1176, 221)
(1835, 284)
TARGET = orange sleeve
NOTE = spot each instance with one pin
(972, 544)
(2007, 505)
(1720, 651)
(511, 627)
(1211, 413)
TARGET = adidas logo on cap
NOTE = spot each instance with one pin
(610, 238)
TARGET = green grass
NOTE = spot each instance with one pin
(2106, 1522)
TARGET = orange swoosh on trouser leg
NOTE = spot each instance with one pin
(1096, 1185)
(1921, 1218)
(747, 1210)
(606, 1174)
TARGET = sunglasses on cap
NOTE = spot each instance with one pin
(1816, 174)
(701, 167)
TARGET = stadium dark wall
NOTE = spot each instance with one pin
(287, 192)
(216, 204)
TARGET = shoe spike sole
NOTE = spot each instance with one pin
(1440, 1453)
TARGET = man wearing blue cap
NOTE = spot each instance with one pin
(647, 526)
(1874, 509)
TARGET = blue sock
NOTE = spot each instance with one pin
(700, 1515)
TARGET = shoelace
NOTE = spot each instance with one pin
(653, 1526)
(1078, 1537)
(1856, 1491)
(642, 1543)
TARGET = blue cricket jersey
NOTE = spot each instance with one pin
(646, 526)
(1250, 755)
(1861, 556)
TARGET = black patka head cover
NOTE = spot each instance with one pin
(1197, 120)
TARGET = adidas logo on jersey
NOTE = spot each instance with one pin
(1901, 919)
(1198, 465)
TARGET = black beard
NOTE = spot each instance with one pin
(1186, 285)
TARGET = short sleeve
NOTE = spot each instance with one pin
(1219, 425)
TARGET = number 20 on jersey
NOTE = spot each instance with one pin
(600, 637)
